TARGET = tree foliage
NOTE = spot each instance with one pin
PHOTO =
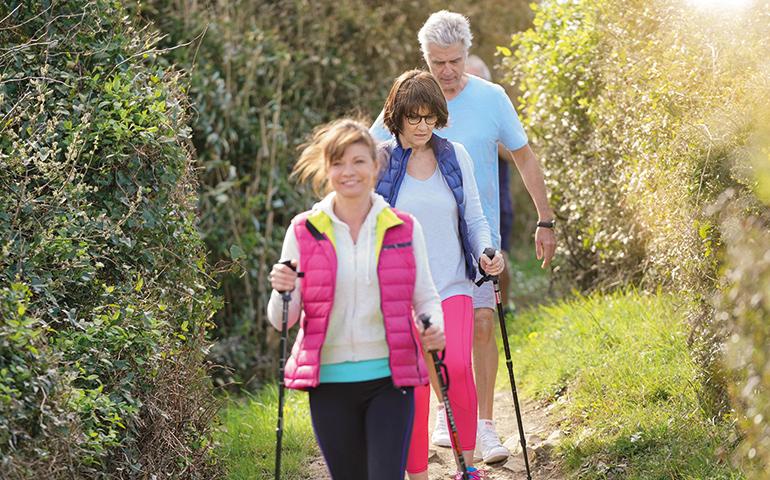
(645, 114)
(743, 305)
(104, 295)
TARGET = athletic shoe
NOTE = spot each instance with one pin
(440, 436)
(492, 451)
(473, 474)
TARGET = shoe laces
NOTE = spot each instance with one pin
(473, 474)
(441, 420)
(488, 437)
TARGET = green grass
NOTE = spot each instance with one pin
(619, 368)
(246, 439)
(617, 365)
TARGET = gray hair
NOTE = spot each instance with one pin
(476, 66)
(445, 28)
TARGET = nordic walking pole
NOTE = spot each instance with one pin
(286, 297)
(490, 252)
(444, 387)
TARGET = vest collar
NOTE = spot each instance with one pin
(386, 219)
(323, 223)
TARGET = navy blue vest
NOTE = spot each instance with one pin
(391, 176)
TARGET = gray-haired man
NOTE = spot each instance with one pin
(480, 116)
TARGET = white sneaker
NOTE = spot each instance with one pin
(488, 443)
(440, 436)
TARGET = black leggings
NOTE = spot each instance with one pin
(363, 428)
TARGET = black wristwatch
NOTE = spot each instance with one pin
(546, 224)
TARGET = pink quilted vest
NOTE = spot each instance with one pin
(396, 274)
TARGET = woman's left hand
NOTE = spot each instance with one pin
(493, 266)
(432, 339)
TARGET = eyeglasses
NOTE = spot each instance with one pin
(430, 120)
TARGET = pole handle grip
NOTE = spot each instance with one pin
(289, 264)
(424, 318)
(287, 295)
(490, 253)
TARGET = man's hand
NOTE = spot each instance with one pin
(545, 245)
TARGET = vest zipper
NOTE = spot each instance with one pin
(416, 352)
(351, 328)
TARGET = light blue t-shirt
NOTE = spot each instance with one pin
(479, 117)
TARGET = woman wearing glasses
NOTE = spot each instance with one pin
(432, 178)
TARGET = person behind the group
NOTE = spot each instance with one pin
(366, 270)
(432, 178)
(480, 116)
(476, 66)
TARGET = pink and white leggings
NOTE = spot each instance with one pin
(458, 330)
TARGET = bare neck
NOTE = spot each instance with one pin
(450, 94)
(415, 148)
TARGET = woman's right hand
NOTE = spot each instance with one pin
(432, 339)
(282, 277)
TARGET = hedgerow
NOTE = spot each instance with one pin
(743, 305)
(104, 294)
(645, 114)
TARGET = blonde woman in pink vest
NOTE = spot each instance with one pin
(366, 278)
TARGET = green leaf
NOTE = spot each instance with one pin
(505, 51)
(704, 229)
(236, 252)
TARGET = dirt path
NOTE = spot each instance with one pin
(539, 425)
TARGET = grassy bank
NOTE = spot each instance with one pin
(247, 436)
(619, 368)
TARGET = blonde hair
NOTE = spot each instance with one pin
(327, 144)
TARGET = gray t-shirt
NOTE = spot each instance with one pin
(433, 205)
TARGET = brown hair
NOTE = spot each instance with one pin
(327, 144)
(411, 91)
